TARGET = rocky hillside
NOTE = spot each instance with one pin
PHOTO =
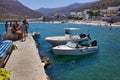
(48, 11)
(101, 4)
(11, 9)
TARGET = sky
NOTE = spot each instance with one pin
(36, 4)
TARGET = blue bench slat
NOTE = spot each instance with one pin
(4, 50)
(4, 47)
(4, 44)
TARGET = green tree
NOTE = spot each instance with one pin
(78, 18)
(95, 13)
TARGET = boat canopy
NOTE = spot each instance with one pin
(68, 30)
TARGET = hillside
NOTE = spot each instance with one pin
(101, 4)
(48, 11)
(10, 9)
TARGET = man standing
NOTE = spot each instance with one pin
(25, 23)
(6, 26)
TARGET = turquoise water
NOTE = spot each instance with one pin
(104, 65)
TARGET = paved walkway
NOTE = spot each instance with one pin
(25, 63)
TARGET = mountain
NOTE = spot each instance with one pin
(101, 4)
(14, 9)
(48, 11)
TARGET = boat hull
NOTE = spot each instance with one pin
(54, 41)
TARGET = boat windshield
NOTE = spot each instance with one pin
(71, 44)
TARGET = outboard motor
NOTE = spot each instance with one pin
(89, 36)
(82, 35)
(94, 43)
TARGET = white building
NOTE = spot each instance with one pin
(113, 10)
(79, 14)
(87, 14)
(72, 14)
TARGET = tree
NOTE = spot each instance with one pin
(96, 13)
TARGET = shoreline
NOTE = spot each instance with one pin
(97, 23)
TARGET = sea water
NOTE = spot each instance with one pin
(104, 65)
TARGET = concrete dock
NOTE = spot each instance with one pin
(25, 63)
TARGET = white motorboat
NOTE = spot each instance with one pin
(72, 48)
(60, 40)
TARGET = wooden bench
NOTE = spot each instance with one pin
(5, 49)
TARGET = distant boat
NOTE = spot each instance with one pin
(60, 40)
(72, 48)
(36, 35)
(64, 22)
